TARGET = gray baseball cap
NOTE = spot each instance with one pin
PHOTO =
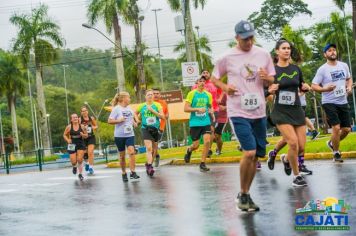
(244, 29)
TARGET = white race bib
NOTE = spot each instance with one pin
(89, 129)
(151, 120)
(71, 147)
(250, 101)
(127, 129)
(340, 91)
(286, 97)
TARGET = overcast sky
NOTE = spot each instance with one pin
(217, 21)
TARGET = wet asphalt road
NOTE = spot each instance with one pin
(177, 201)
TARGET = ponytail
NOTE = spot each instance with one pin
(119, 97)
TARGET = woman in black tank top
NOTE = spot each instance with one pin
(90, 125)
(73, 135)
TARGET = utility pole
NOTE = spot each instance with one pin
(199, 49)
(159, 48)
(32, 115)
(66, 92)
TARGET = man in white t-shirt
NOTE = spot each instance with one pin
(248, 68)
(334, 82)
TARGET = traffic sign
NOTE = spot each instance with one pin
(190, 73)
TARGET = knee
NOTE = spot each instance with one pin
(346, 130)
(293, 144)
(250, 155)
(149, 149)
(336, 128)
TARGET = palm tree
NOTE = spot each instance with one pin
(37, 35)
(296, 37)
(341, 5)
(132, 17)
(131, 71)
(176, 5)
(12, 85)
(329, 32)
(203, 45)
(109, 11)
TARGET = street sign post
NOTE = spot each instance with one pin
(190, 73)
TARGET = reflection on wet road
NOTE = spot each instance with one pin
(177, 201)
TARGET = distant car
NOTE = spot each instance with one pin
(111, 149)
(164, 144)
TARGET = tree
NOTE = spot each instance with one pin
(274, 15)
(37, 33)
(341, 5)
(176, 5)
(132, 17)
(12, 85)
(109, 11)
(203, 45)
(296, 37)
(333, 31)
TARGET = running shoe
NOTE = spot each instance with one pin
(203, 167)
(86, 166)
(337, 157)
(299, 181)
(271, 159)
(124, 177)
(74, 170)
(187, 156)
(133, 175)
(330, 145)
(210, 153)
(80, 176)
(239, 148)
(242, 202)
(258, 165)
(315, 134)
(157, 158)
(149, 170)
(91, 170)
(287, 168)
(252, 205)
(217, 152)
(303, 170)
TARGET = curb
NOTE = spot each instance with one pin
(307, 156)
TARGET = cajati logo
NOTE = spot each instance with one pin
(328, 214)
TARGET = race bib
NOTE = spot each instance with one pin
(127, 129)
(71, 147)
(286, 98)
(89, 129)
(151, 120)
(250, 101)
(340, 91)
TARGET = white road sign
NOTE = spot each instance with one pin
(190, 73)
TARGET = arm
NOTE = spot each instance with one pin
(188, 108)
(94, 123)
(318, 88)
(116, 121)
(66, 135)
(159, 114)
(349, 86)
(84, 134)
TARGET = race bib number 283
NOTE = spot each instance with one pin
(250, 101)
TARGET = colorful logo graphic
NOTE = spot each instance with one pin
(248, 71)
(328, 214)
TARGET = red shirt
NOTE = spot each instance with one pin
(162, 123)
(222, 115)
(210, 87)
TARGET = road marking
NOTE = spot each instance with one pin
(8, 190)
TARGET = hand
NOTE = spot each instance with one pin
(121, 119)
(273, 88)
(135, 124)
(202, 110)
(69, 141)
(329, 88)
(150, 108)
(230, 89)
(262, 73)
(349, 90)
(305, 87)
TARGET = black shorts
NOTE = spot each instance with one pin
(160, 135)
(219, 128)
(122, 143)
(150, 134)
(216, 118)
(338, 114)
(90, 140)
(198, 131)
(79, 145)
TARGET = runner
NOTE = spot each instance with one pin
(90, 124)
(73, 135)
(162, 125)
(282, 143)
(211, 88)
(150, 113)
(124, 120)
(245, 66)
(310, 125)
(220, 123)
(287, 113)
(198, 104)
(334, 82)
